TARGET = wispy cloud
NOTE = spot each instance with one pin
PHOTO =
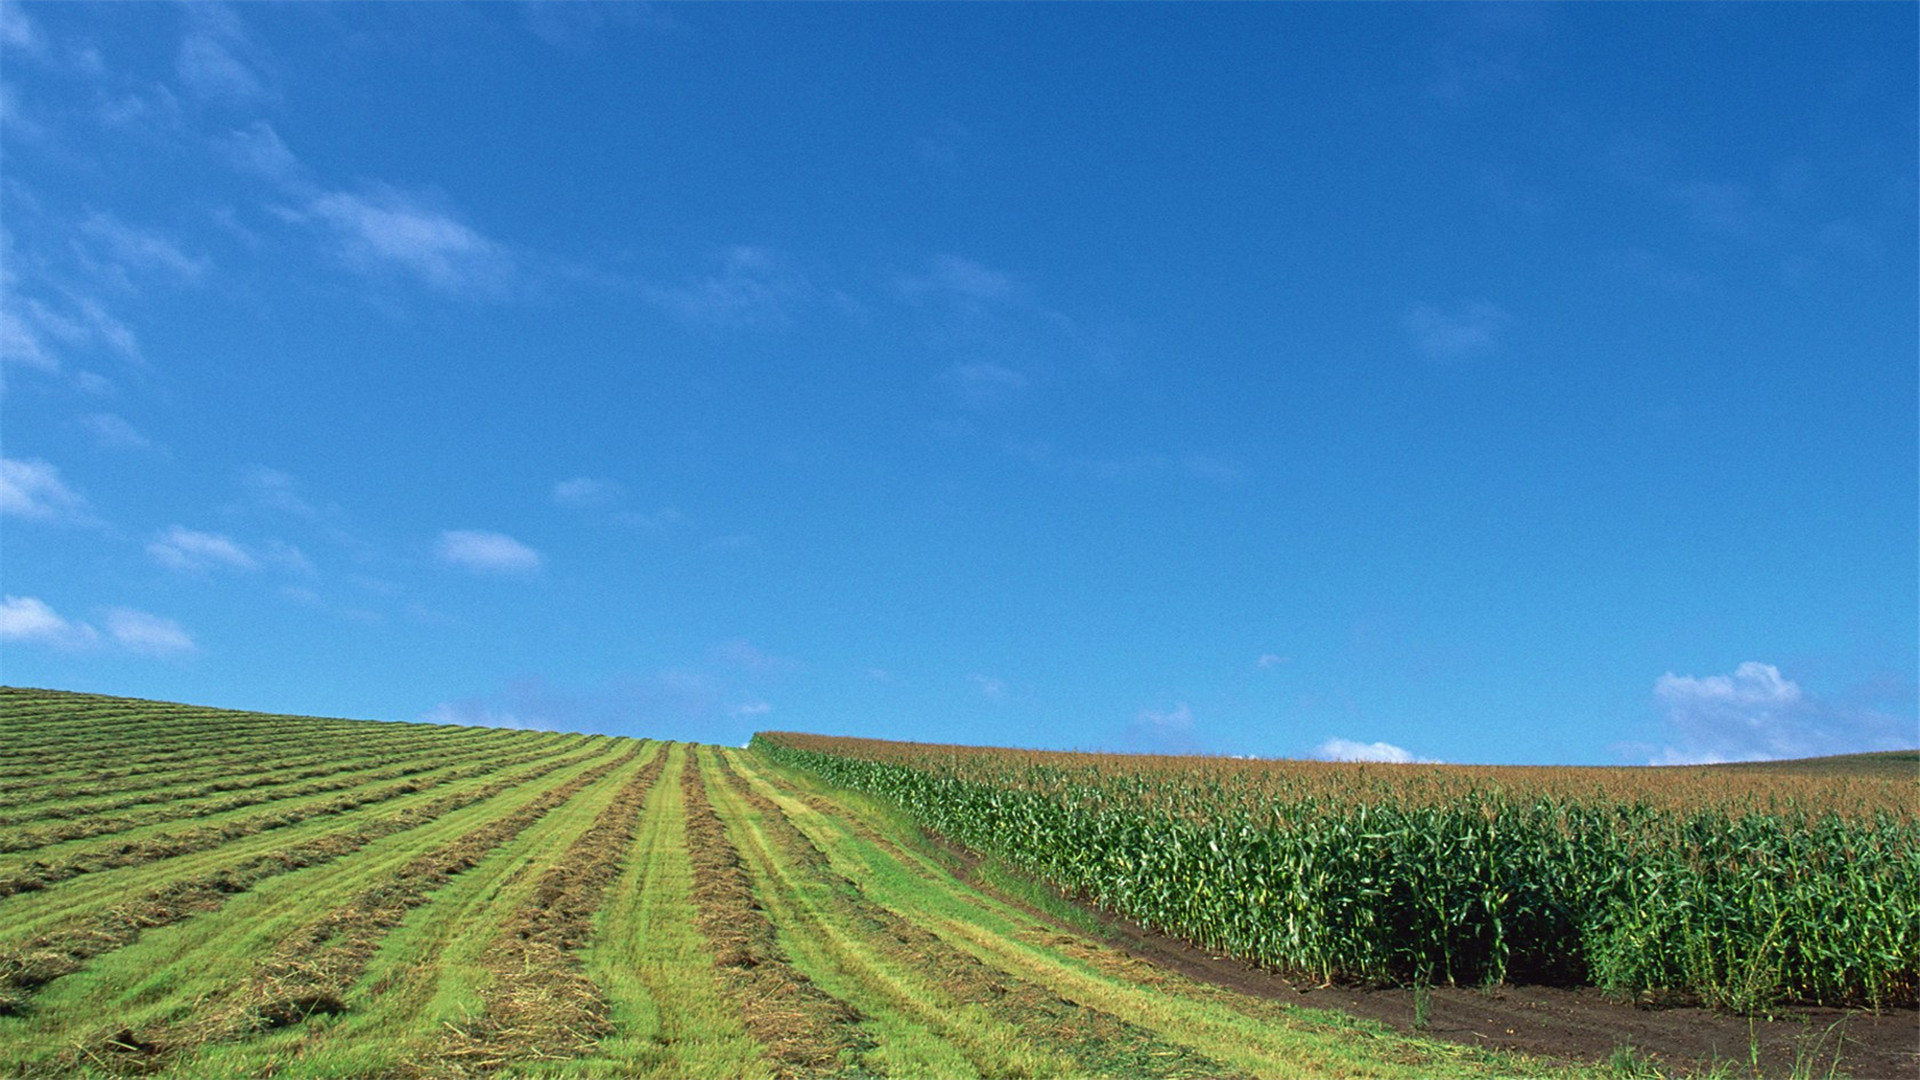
(586, 493)
(220, 62)
(148, 634)
(18, 33)
(1755, 713)
(32, 489)
(258, 149)
(991, 688)
(1339, 749)
(473, 712)
(1454, 333)
(750, 286)
(276, 490)
(111, 432)
(385, 231)
(35, 332)
(1162, 731)
(184, 550)
(1271, 660)
(486, 552)
(28, 620)
(951, 278)
(124, 250)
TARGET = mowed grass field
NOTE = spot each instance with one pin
(196, 892)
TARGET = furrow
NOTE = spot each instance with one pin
(1091, 1041)
(66, 948)
(41, 874)
(804, 1030)
(541, 1004)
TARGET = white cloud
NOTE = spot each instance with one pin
(184, 550)
(17, 32)
(133, 248)
(32, 331)
(486, 552)
(1452, 333)
(27, 619)
(751, 708)
(473, 713)
(1271, 660)
(585, 492)
(275, 490)
(1755, 713)
(959, 279)
(33, 489)
(752, 286)
(20, 343)
(1338, 749)
(1162, 731)
(991, 688)
(114, 433)
(219, 61)
(258, 148)
(148, 635)
(386, 230)
(1175, 720)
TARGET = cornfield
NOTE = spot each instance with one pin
(1739, 889)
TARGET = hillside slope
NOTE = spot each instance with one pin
(200, 892)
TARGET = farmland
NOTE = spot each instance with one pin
(192, 891)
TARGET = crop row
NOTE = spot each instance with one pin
(258, 776)
(1737, 909)
(67, 936)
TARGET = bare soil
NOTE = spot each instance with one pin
(1579, 1024)
(1574, 1024)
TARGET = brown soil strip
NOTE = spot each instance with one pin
(41, 874)
(1578, 1025)
(1100, 1043)
(1581, 1025)
(802, 1029)
(540, 1005)
(29, 965)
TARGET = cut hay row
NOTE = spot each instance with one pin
(103, 791)
(312, 970)
(58, 725)
(909, 972)
(26, 913)
(803, 1031)
(42, 873)
(260, 782)
(57, 951)
(540, 1005)
(40, 837)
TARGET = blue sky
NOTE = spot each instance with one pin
(1508, 384)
